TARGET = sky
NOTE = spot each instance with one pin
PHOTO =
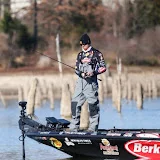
(19, 5)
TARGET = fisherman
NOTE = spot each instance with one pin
(89, 64)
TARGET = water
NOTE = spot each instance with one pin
(11, 147)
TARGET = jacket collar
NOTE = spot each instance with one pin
(89, 49)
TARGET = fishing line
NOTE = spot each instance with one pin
(59, 61)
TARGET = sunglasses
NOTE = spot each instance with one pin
(84, 44)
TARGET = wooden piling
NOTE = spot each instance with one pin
(20, 94)
(84, 120)
(154, 89)
(129, 90)
(44, 89)
(51, 95)
(119, 66)
(145, 89)
(38, 97)
(71, 83)
(119, 94)
(114, 90)
(134, 92)
(116, 93)
(65, 110)
(2, 99)
(149, 88)
(31, 97)
(124, 89)
(101, 92)
(104, 84)
(139, 93)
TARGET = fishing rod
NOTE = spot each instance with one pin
(55, 60)
(59, 61)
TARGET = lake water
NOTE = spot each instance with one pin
(11, 147)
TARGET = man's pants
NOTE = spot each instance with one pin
(83, 92)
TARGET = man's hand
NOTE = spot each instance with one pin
(83, 75)
(87, 74)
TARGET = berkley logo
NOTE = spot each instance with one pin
(149, 149)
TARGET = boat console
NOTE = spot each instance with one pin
(52, 122)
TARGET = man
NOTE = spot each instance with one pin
(89, 64)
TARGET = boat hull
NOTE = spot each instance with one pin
(112, 146)
(121, 144)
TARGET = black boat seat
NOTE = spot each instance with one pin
(63, 122)
(57, 123)
(51, 120)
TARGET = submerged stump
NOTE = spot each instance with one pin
(65, 110)
(31, 97)
(84, 120)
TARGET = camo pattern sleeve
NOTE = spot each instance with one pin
(78, 61)
(100, 65)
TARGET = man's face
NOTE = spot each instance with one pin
(85, 46)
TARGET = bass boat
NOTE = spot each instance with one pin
(120, 144)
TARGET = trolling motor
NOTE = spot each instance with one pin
(22, 117)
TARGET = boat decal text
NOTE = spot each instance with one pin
(40, 138)
(113, 134)
(148, 135)
(144, 148)
(72, 142)
(68, 142)
(128, 135)
(107, 148)
(44, 132)
(79, 133)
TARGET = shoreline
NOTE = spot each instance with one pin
(12, 81)
(66, 70)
